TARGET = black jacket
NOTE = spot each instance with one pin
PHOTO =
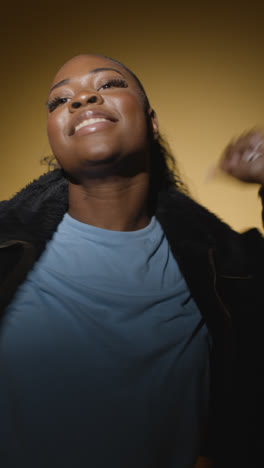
(224, 272)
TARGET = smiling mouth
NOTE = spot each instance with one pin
(91, 121)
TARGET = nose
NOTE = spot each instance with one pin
(85, 98)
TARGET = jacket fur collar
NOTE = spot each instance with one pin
(34, 213)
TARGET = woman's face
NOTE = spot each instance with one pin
(96, 116)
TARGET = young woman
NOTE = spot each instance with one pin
(130, 332)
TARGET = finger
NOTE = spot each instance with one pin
(231, 160)
(251, 156)
(248, 146)
(252, 141)
(256, 138)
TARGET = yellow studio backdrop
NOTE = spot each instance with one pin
(201, 65)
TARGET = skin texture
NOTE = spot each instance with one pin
(107, 162)
(243, 158)
(108, 167)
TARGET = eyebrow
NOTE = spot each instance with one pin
(95, 70)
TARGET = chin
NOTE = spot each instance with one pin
(100, 166)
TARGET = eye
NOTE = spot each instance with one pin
(114, 83)
(54, 103)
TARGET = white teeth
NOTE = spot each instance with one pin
(89, 122)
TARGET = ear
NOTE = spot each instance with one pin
(154, 124)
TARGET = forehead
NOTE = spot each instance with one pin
(83, 64)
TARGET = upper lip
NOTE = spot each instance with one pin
(91, 114)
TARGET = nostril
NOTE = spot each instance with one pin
(92, 99)
(76, 105)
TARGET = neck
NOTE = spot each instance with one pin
(118, 204)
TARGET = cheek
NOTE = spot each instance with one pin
(55, 131)
(131, 106)
(134, 115)
(51, 129)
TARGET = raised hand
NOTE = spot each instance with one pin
(243, 158)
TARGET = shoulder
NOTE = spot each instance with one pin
(179, 211)
(35, 210)
(188, 223)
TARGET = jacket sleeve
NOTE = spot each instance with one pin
(261, 194)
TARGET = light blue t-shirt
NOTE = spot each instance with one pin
(104, 356)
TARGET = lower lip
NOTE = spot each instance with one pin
(95, 127)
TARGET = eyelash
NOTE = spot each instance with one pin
(51, 105)
(114, 83)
